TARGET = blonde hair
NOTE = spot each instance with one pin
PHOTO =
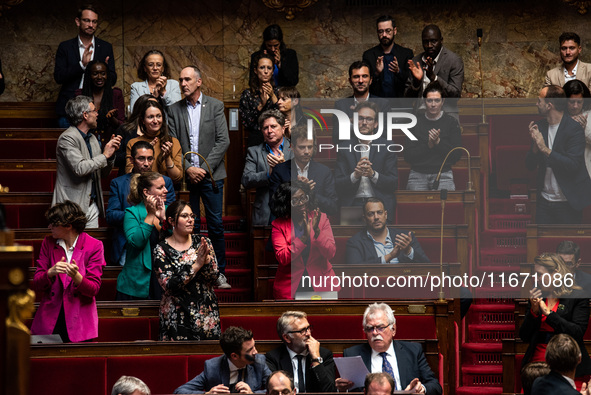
(138, 183)
(554, 264)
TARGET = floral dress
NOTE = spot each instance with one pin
(189, 307)
(249, 114)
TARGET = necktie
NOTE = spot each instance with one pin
(386, 367)
(301, 382)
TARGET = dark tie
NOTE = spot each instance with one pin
(301, 382)
(386, 367)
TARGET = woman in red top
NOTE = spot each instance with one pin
(555, 307)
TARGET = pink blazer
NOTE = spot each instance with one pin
(288, 250)
(79, 302)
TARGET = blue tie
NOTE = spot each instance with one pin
(386, 367)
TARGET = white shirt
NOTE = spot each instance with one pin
(551, 191)
(377, 361)
(567, 76)
(69, 251)
(294, 363)
(426, 79)
(81, 48)
(365, 188)
(303, 172)
(233, 372)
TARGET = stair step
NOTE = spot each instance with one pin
(509, 221)
(492, 314)
(503, 238)
(473, 390)
(482, 376)
(495, 295)
(507, 206)
(489, 333)
(239, 278)
(236, 241)
(507, 256)
(234, 295)
(236, 260)
(231, 224)
(480, 354)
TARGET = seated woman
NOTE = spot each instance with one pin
(154, 72)
(302, 240)
(187, 269)
(288, 103)
(261, 96)
(68, 277)
(553, 310)
(141, 224)
(167, 149)
(437, 133)
(286, 69)
(579, 108)
(107, 99)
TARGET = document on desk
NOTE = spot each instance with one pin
(352, 369)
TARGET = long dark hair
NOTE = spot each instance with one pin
(273, 32)
(106, 100)
(281, 199)
(164, 136)
(254, 83)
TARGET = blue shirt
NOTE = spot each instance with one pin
(194, 121)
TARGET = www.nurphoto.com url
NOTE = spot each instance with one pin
(435, 281)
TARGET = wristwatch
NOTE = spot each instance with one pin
(319, 360)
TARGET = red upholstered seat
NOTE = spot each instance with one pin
(28, 181)
(161, 374)
(69, 376)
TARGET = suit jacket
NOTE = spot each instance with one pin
(360, 249)
(318, 379)
(78, 301)
(403, 55)
(255, 175)
(68, 73)
(551, 384)
(288, 252)
(290, 69)
(572, 318)
(555, 76)
(324, 190)
(76, 170)
(384, 162)
(345, 105)
(411, 364)
(214, 139)
(566, 161)
(583, 280)
(217, 371)
(172, 95)
(116, 211)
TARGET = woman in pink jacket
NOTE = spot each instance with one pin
(68, 277)
(302, 240)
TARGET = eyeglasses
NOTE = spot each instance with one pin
(299, 201)
(187, 216)
(302, 331)
(366, 119)
(387, 31)
(379, 329)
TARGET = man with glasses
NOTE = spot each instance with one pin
(80, 163)
(142, 154)
(73, 56)
(240, 369)
(301, 356)
(570, 253)
(366, 168)
(404, 361)
(388, 61)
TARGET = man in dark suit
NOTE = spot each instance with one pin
(557, 150)
(562, 355)
(379, 244)
(142, 154)
(240, 369)
(570, 253)
(261, 161)
(302, 167)
(404, 361)
(73, 55)
(366, 168)
(388, 61)
(436, 63)
(199, 123)
(311, 366)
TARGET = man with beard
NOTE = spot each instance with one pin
(311, 366)
(436, 63)
(404, 361)
(379, 244)
(73, 55)
(572, 68)
(388, 61)
(557, 151)
(366, 168)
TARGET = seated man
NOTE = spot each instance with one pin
(379, 384)
(379, 244)
(261, 161)
(316, 175)
(366, 168)
(530, 372)
(280, 383)
(240, 369)
(404, 361)
(301, 356)
(570, 253)
(129, 385)
(142, 154)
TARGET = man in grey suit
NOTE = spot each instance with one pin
(240, 369)
(571, 68)
(80, 163)
(199, 123)
(261, 160)
(436, 63)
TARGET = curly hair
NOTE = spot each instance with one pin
(281, 199)
(141, 70)
(67, 213)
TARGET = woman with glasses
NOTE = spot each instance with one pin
(302, 240)
(187, 271)
(155, 75)
(68, 277)
(437, 133)
(555, 306)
